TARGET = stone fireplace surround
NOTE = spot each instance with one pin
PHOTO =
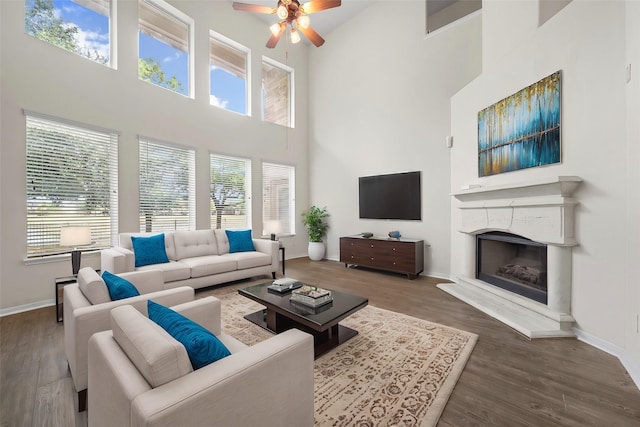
(541, 210)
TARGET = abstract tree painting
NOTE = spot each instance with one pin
(522, 130)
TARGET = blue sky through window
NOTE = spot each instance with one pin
(227, 90)
(93, 28)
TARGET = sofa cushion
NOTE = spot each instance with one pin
(250, 259)
(92, 286)
(149, 250)
(189, 244)
(222, 240)
(157, 355)
(240, 241)
(171, 271)
(202, 346)
(119, 288)
(208, 265)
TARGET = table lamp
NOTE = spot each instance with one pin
(74, 236)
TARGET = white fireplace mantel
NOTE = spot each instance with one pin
(541, 210)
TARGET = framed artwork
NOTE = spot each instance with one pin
(522, 130)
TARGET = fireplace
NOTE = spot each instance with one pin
(513, 263)
(516, 253)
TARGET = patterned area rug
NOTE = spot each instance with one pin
(398, 370)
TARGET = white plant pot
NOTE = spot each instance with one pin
(316, 251)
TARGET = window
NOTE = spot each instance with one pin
(72, 179)
(441, 13)
(278, 199)
(79, 26)
(165, 43)
(228, 75)
(277, 93)
(230, 192)
(167, 187)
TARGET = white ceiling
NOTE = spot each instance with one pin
(327, 20)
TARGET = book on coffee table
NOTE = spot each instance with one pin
(311, 296)
(284, 284)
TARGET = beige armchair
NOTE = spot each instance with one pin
(138, 376)
(87, 308)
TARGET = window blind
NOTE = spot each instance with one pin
(156, 21)
(278, 199)
(277, 94)
(167, 187)
(223, 54)
(230, 192)
(72, 179)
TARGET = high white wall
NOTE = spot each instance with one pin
(586, 40)
(40, 77)
(379, 103)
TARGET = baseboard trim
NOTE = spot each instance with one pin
(628, 363)
(26, 307)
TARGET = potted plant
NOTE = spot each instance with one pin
(314, 220)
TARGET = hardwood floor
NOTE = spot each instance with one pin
(508, 381)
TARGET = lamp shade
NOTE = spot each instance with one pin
(75, 236)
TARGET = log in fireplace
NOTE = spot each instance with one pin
(513, 263)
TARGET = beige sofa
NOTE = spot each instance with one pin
(197, 258)
(87, 310)
(140, 376)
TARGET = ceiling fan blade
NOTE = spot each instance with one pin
(273, 40)
(318, 5)
(254, 8)
(312, 35)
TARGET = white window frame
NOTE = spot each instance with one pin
(109, 9)
(46, 226)
(233, 45)
(272, 223)
(247, 191)
(164, 35)
(291, 100)
(148, 148)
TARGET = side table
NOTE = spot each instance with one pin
(61, 282)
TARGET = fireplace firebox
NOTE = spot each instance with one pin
(513, 263)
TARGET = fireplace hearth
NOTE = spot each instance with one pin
(516, 254)
(513, 263)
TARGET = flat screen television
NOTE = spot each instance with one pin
(392, 196)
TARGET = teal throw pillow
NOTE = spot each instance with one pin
(149, 250)
(240, 241)
(202, 346)
(118, 287)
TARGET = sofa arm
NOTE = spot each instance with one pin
(206, 312)
(117, 260)
(87, 321)
(257, 374)
(269, 247)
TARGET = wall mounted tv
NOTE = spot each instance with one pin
(392, 196)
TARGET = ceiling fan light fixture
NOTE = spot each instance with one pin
(295, 37)
(275, 29)
(282, 12)
(286, 2)
(303, 21)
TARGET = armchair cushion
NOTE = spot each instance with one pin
(149, 250)
(240, 241)
(201, 345)
(157, 356)
(92, 286)
(119, 287)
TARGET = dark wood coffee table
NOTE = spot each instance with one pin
(281, 314)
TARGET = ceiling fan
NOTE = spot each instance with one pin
(293, 15)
